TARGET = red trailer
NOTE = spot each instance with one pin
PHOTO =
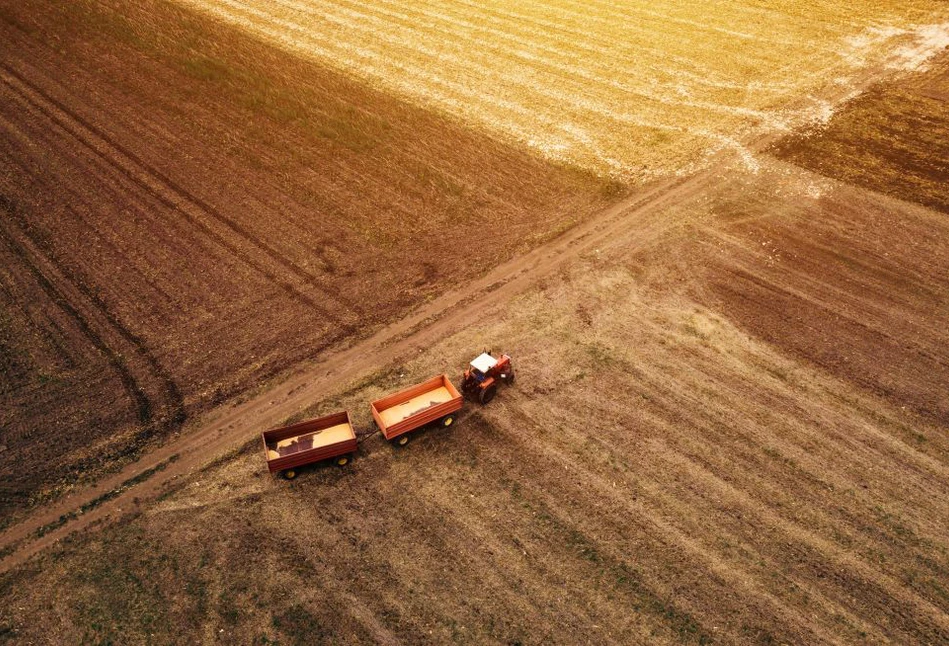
(399, 414)
(327, 438)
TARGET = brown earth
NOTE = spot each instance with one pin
(729, 425)
(187, 214)
(891, 139)
(856, 289)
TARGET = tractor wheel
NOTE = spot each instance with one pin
(510, 378)
(403, 440)
(342, 460)
(487, 394)
(448, 420)
(289, 474)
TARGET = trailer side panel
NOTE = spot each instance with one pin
(309, 441)
(416, 406)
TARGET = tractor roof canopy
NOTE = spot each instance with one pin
(484, 362)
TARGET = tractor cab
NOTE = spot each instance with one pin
(482, 375)
(482, 365)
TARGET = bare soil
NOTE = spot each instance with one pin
(857, 290)
(892, 139)
(729, 425)
(187, 214)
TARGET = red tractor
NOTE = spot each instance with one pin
(482, 376)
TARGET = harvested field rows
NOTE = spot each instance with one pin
(629, 89)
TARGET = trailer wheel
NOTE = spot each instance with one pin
(289, 474)
(487, 394)
(403, 440)
(342, 460)
(448, 420)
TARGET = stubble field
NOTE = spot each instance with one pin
(630, 89)
(729, 424)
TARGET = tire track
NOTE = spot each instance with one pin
(173, 196)
(35, 251)
(130, 383)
